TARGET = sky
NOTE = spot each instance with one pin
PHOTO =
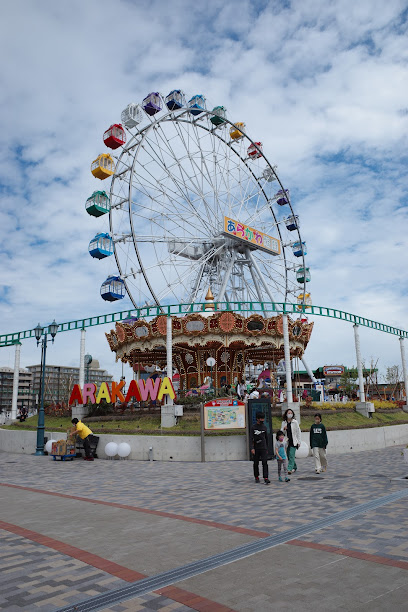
(323, 84)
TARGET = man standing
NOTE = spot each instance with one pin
(259, 447)
(318, 443)
(83, 432)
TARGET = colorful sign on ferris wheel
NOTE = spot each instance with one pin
(251, 236)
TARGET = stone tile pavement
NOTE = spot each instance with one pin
(224, 495)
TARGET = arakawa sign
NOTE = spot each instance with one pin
(139, 390)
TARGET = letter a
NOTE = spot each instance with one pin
(166, 388)
(133, 391)
(103, 393)
(76, 395)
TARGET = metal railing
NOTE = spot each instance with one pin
(147, 312)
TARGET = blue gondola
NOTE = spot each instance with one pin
(175, 100)
(282, 197)
(292, 222)
(101, 246)
(196, 104)
(113, 289)
(299, 249)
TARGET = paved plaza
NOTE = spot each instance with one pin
(124, 535)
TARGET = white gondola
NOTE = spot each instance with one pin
(132, 115)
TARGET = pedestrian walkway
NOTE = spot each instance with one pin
(121, 535)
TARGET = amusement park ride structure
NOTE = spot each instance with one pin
(196, 208)
(207, 247)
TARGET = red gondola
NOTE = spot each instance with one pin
(115, 136)
(255, 151)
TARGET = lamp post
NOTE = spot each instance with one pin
(88, 361)
(39, 331)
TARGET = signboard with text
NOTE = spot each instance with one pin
(224, 413)
(251, 236)
(333, 370)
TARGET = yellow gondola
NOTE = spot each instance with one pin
(235, 130)
(103, 166)
(306, 302)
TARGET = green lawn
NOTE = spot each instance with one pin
(191, 424)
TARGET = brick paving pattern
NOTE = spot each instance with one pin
(223, 495)
(34, 577)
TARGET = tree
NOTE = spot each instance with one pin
(393, 378)
(348, 380)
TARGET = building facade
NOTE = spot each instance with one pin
(59, 380)
(25, 389)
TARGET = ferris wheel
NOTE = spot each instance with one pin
(194, 203)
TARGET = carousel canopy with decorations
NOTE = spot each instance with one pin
(230, 338)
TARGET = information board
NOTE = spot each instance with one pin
(224, 413)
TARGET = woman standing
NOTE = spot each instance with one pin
(291, 429)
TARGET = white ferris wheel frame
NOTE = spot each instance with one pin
(125, 174)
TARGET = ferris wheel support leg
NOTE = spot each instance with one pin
(404, 371)
(363, 407)
(254, 263)
(168, 418)
(309, 371)
(223, 288)
(80, 410)
(15, 382)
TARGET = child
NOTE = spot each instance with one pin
(318, 443)
(280, 451)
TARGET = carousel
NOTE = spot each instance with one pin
(232, 340)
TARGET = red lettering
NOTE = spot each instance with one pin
(76, 396)
(133, 391)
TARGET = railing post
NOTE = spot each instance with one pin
(359, 365)
(363, 407)
(286, 347)
(15, 381)
(404, 371)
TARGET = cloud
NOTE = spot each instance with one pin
(322, 85)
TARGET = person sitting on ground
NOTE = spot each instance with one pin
(83, 432)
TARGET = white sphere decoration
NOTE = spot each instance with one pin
(124, 449)
(48, 446)
(302, 451)
(111, 449)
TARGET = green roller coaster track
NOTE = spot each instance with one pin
(181, 309)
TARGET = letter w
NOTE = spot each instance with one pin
(151, 387)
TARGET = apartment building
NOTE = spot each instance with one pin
(25, 389)
(59, 380)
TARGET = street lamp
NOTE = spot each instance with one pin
(87, 361)
(39, 331)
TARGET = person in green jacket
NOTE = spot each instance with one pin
(318, 443)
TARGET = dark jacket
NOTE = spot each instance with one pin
(259, 436)
(318, 436)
